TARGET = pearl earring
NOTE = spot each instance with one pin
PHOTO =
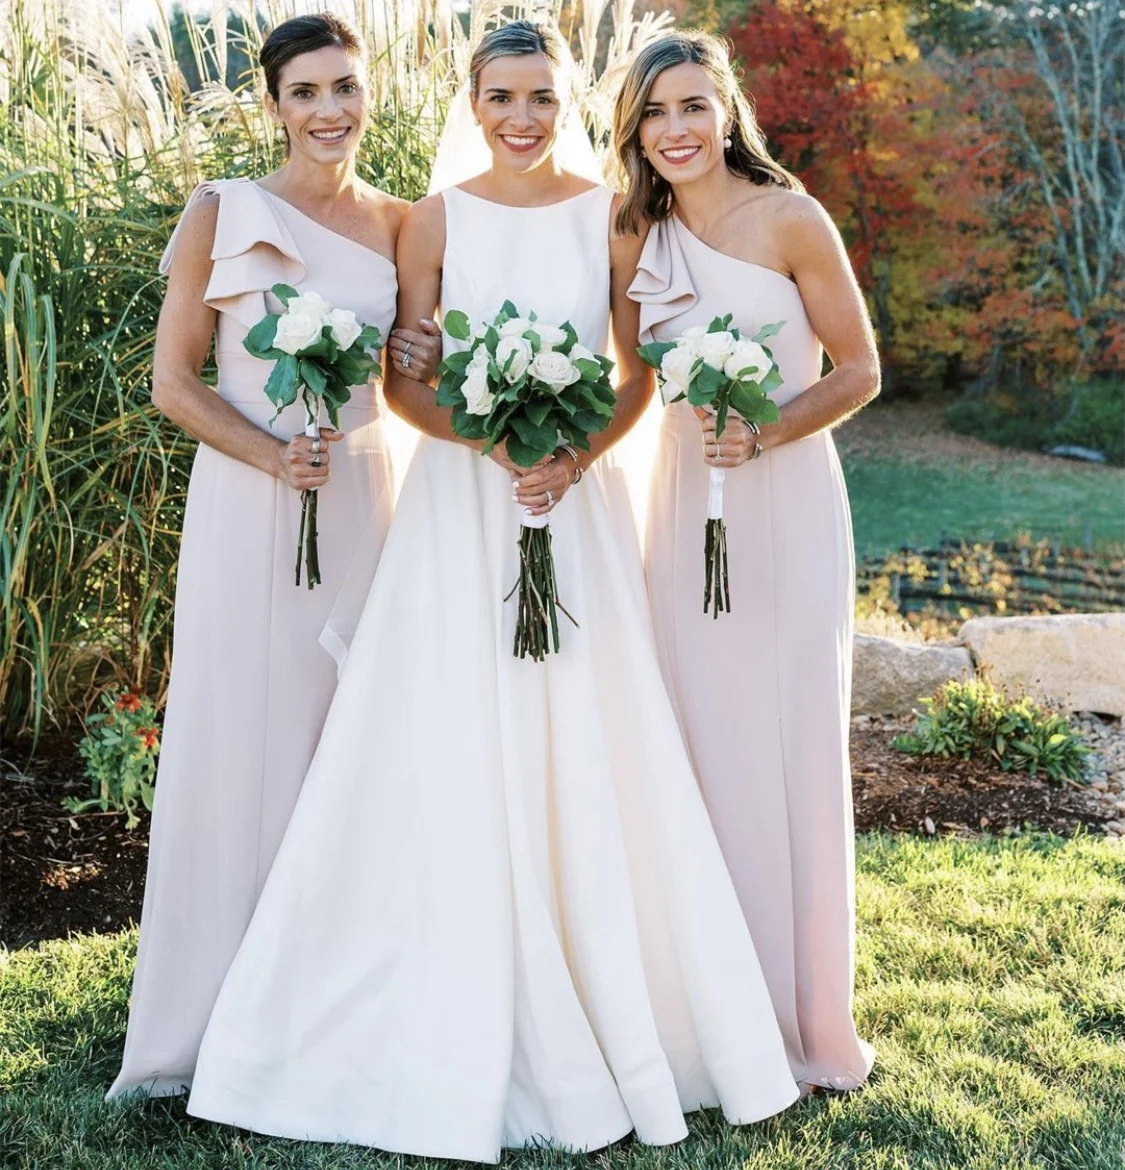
(726, 142)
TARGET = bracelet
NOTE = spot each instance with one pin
(578, 472)
(756, 452)
(754, 428)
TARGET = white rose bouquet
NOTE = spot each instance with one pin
(319, 353)
(531, 385)
(717, 368)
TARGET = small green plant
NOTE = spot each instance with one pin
(976, 718)
(120, 750)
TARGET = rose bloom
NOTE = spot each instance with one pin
(516, 327)
(345, 328)
(676, 367)
(310, 302)
(579, 353)
(520, 352)
(748, 354)
(478, 398)
(715, 348)
(297, 331)
(550, 336)
(556, 369)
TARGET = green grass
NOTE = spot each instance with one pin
(896, 502)
(989, 977)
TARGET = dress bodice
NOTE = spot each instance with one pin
(260, 241)
(681, 282)
(553, 260)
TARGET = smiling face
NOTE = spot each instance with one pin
(322, 102)
(683, 124)
(519, 103)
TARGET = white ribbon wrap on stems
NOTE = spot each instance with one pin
(529, 521)
(715, 493)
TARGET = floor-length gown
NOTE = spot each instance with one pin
(253, 667)
(763, 693)
(499, 915)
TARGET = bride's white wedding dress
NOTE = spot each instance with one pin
(499, 915)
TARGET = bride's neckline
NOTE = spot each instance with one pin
(525, 206)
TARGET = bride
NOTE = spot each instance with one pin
(499, 916)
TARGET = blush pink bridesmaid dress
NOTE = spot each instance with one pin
(763, 693)
(253, 667)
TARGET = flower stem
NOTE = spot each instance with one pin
(716, 580)
(307, 542)
(537, 602)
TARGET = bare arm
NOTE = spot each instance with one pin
(815, 254)
(418, 256)
(183, 340)
(811, 248)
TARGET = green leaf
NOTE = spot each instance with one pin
(723, 407)
(542, 438)
(312, 376)
(369, 338)
(519, 452)
(456, 324)
(449, 389)
(537, 412)
(260, 338)
(653, 353)
(508, 311)
(720, 324)
(457, 361)
(771, 381)
(281, 385)
(768, 331)
(284, 293)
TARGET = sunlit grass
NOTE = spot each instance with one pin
(989, 979)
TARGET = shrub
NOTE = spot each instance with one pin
(1088, 414)
(976, 719)
(120, 750)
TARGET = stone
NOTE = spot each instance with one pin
(889, 677)
(1073, 661)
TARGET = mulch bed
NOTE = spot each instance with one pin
(62, 874)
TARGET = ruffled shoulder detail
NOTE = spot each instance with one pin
(253, 249)
(663, 286)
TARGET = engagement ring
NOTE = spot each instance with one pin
(404, 361)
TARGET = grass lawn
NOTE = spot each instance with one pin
(910, 480)
(990, 979)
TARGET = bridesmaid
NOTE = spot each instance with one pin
(762, 693)
(250, 682)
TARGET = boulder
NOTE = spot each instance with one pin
(889, 677)
(1075, 661)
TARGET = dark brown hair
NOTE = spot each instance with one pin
(648, 197)
(303, 34)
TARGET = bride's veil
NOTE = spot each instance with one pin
(463, 153)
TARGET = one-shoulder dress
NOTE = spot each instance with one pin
(253, 663)
(763, 693)
(499, 916)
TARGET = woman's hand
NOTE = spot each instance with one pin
(736, 446)
(303, 462)
(540, 488)
(416, 353)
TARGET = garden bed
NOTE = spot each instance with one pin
(64, 874)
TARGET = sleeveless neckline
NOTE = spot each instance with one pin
(523, 207)
(323, 227)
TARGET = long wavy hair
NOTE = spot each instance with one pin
(648, 197)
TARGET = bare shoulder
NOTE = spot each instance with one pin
(195, 236)
(625, 247)
(423, 227)
(802, 225)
